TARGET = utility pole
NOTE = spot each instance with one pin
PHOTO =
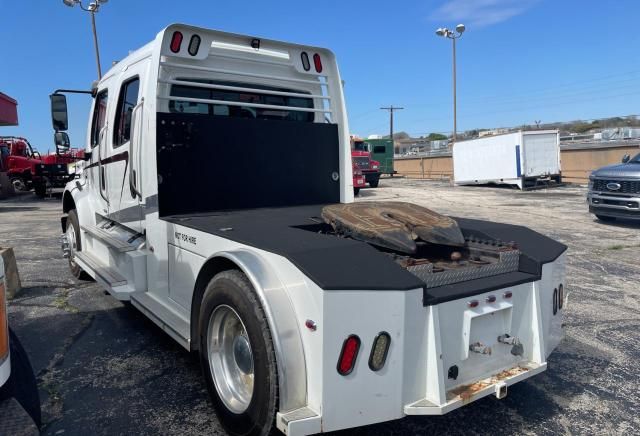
(453, 35)
(391, 109)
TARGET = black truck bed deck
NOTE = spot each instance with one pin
(336, 263)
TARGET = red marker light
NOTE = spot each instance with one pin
(491, 299)
(317, 62)
(176, 42)
(348, 355)
(508, 294)
(473, 303)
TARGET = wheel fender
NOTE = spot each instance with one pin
(80, 200)
(285, 333)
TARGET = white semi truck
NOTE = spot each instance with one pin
(217, 198)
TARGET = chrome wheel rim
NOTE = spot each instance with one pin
(230, 358)
(71, 238)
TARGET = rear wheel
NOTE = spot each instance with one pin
(605, 218)
(237, 355)
(40, 190)
(22, 384)
(75, 244)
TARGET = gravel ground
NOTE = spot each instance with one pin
(104, 368)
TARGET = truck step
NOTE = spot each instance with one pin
(103, 273)
(109, 238)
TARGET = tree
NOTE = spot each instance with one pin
(436, 137)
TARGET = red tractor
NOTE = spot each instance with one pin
(18, 160)
(28, 170)
(361, 156)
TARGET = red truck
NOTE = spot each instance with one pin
(27, 169)
(362, 158)
(358, 179)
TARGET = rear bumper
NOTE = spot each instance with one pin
(14, 420)
(496, 385)
(614, 206)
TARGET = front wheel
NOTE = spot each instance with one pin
(356, 191)
(237, 355)
(72, 234)
(374, 183)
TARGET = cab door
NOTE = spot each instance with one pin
(123, 170)
(95, 170)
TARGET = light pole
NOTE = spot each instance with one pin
(93, 7)
(453, 35)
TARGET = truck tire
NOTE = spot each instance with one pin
(356, 191)
(40, 190)
(374, 183)
(22, 383)
(75, 244)
(235, 343)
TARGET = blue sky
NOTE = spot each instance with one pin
(519, 61)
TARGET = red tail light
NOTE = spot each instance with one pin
(176, 42)
(317, 62)
(348, 355)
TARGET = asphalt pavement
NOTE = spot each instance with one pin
(103, 368)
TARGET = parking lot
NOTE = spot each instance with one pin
(104, 368)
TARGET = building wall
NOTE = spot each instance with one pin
(577, 163)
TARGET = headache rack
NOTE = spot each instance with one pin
(239, 54)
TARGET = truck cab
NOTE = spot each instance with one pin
(216, 196)
(614, 190)
(361, 155)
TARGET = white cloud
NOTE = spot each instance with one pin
(480, 13)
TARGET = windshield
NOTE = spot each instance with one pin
(240, 96)
(636, 159)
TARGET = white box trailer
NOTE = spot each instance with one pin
(523, 158)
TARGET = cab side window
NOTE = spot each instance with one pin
(127, 100)
(99, 117)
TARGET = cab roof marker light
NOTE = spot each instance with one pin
(491, 299)
(348, 355)
(508, 294)
(176, 41)
(473, 303)
(305, 61)
(317, 62)
(194, 45)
